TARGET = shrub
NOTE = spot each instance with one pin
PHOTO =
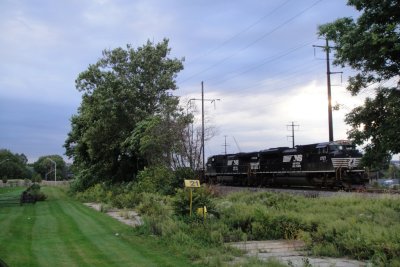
(157, 179)
(154, 205)
(125, 200)
(96, 193)
(36, 178)
(34, 190)
(200, 197)
(182, 174)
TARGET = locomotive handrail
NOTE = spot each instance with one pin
(338, 170)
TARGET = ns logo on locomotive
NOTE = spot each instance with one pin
(331, 164)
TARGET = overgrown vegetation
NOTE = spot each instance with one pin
(359, 227)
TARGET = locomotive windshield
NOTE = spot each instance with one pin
(342, 147)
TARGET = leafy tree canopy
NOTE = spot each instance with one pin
(45, 167)
(13, 166)
(124, 93)
(370, 44)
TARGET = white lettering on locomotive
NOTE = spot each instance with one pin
(254, 165)
(293, 158)
(232, 162)
(296, 164)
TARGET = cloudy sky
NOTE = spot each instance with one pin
(256, 56)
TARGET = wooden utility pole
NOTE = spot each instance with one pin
(202, 125)
(225, 144)
(292, 136)
(202, 129)
(328, 82)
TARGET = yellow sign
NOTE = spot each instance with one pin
(192, 183)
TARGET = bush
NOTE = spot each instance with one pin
(154, 205)
(125, 199)
(36, 178)
(200, 197)
(157, 179)
(34, 190)
(96, 193)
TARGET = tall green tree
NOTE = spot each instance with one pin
(46, 168)
(370, 45)
(161, 138)
(13, 166)
(124, 89)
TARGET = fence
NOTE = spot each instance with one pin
(26, 183)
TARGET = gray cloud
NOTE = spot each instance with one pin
(260, 62)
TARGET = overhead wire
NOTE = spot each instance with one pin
(302, 68)
(242, 31)
(254, 42)
(266, 60)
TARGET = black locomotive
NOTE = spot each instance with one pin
(330, 164)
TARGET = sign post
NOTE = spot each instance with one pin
(191, 184)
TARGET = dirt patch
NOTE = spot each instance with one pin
(291, 252)
(129, 217)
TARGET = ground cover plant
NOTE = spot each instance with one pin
(351, 225)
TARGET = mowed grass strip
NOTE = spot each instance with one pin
(63, 232)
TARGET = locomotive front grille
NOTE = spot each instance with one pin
(345, 162)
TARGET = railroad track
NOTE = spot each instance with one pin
(305, 191)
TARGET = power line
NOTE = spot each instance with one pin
(242, 31)
(272, 87)
(265, 61)
(290, 74)
(237, 144)
(254, 42)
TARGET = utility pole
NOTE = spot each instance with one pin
(292, 136)
(202, 123)
(202, 130)
(190, 136)
(225, 145)
(328, 81)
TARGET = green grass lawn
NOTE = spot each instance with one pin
(63, 232)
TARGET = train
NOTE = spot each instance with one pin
(335, 164)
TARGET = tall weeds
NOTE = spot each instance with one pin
(345, 225)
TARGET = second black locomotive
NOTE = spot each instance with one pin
(330, 164)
